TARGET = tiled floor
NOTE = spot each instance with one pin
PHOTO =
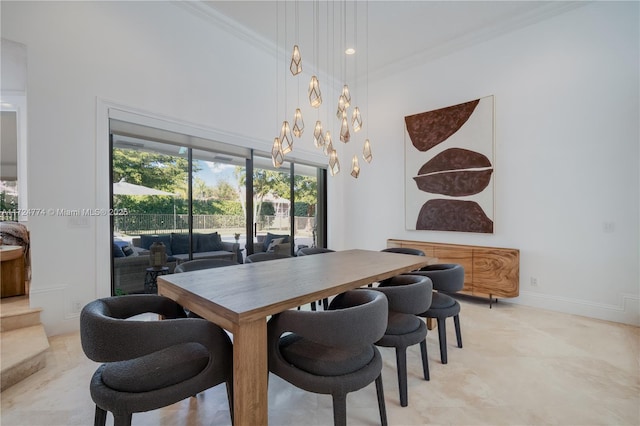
(519, 366)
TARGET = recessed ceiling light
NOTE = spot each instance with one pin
(350, 51)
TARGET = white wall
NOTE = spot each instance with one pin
(149, 56)
(566, 156)
(566, 144)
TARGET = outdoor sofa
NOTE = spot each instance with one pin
(130, 262)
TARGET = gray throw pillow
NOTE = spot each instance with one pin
(269, 237)
(273, 244)
(208, 242)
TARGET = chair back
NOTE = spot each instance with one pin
(404, 250)
(264, 256)
(407, 294)
(356, 318)
(108, 332)
(198, 264)
(446, 277)
(313, 250)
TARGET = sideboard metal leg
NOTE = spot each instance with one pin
(491, 300)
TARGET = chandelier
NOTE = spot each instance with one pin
(349, 116)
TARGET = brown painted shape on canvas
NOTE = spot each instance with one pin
(455, 159)
(453, 215)
(456, 172)
(428, 129)
(455, 184)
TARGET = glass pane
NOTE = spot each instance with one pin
(271, 204)
(150, 197)
(219, 197)
(9, 200)
(305, 206)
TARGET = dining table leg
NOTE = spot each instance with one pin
(250, 373)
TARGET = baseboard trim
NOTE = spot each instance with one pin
(627, 311)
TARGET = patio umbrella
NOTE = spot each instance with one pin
(126, 188)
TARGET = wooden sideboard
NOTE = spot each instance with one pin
(488, 271)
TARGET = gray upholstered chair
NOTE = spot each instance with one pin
(332, 352)
(264, 256)
(150, 364)
(446, 278)
(308, 251)
(408, 295)
(404, 250)
(313, 250)
(198, 264)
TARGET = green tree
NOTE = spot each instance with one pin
(224, 191)
(165, 172)
(201, 191)
(306, 192)
(264, 182)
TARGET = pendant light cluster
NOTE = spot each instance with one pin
(283, 144)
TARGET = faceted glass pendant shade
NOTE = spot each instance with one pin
(356, 120)
(296, 61)
(277, 156)
(328, 144)
(345, 136)
(334, 163)
(355, 167)
(366, 151)
(286, 138)
(318, 137)
(298, 123)
(315, 97)
(346, 95)
(342, 109)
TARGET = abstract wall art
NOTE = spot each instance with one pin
(449, 168)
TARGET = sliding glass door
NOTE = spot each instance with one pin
(218, 198)
(224, 201)
(271, 205)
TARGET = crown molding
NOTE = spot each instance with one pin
(547, 11)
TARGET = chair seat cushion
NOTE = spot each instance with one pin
(442, 301)
(157, 370)
(323, 360)
(400, 323)
(442, 306)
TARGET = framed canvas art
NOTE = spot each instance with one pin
(449, 168)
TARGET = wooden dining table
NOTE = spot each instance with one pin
(241, 298)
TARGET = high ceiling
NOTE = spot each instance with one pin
(399, 32)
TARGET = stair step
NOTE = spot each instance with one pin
(25, 317)
(23, 352)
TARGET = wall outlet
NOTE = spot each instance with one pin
(534, 282)
(76, 306)
(608, 227)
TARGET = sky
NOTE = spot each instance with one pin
(212, 173)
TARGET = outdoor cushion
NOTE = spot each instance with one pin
(127, 250)
(274, 243)
(208, 242)
(269, 237)
(147, 240)
(179, 243)
(157, 370)
(117, 251)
